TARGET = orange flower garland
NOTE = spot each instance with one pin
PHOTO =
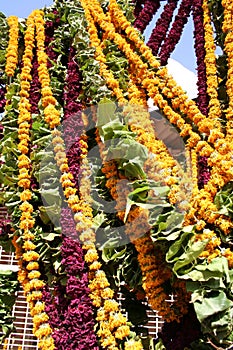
(227, 29)
(211, 70)
(30, 277)
(113, 325)
(12, 50)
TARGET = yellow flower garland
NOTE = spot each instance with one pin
(227, 29)
(12, 49)
(101, 293)
(32, 285)
(211, 70)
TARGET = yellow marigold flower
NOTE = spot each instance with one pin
(26, 207)
(91, 255)
(28, 235)
(46, 343)
(26, 195)
(32, 265)
(116, 320)
(41, 330)
(30, 256)
(34, 295)
(96, 265)
(122, 332)
(28, 245)
(38, 308)
(25, 183)
(133, 345)
(34, 274)
(27, 224)
(111, 305)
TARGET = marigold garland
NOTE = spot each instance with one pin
(227, 29)
(12, 50)
(101, 294)
(214, 113)
(31, 282)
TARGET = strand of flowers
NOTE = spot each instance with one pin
(100, 57)
(227, 29)
(173, 194)
(138, 7)
(32, 284)
(175, 32)
(162, 24)
(203, 147)
(74, 314)
(12, 49)
(72, 124)
(112, 323)
(199, 45)
(165, 82)
(137, 219)
(214, 113)
(146, 77)
(145, 16)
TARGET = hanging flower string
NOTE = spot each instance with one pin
(227, 29)
(12, 50)
(214, 108)
(158, 34)
(30, 277)
(175, 31)
(149, 9)
(112, 324)
(199, 45)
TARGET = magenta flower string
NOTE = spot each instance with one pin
(138, 7)
(199, 44)
(159, 32)
(203, 99)
(2, 98)
(76, 332)
(72, 124)
(146, 15)
(203, 171)
(175, 32)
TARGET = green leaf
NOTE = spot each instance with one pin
(208, 306)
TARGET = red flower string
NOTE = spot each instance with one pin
(175, 32)
(159, 32)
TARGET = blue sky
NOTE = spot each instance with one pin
(183, 53)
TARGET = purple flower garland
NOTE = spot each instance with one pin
(203, 99)
(2, 98)
(75, 327)
(199, 45)
(146, 15)
(72, 124)
(70, 308)
(159, 32)
(138, 7)
(176, 31)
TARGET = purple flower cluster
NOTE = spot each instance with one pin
(203, 171)
(138, 7)
(35, 88)
(72, 124)
(69, 307)
(50, 26)
(177, 336)
(175, 31)
(146, 15)
(159, 32)
(199, 37)
(2, 98)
